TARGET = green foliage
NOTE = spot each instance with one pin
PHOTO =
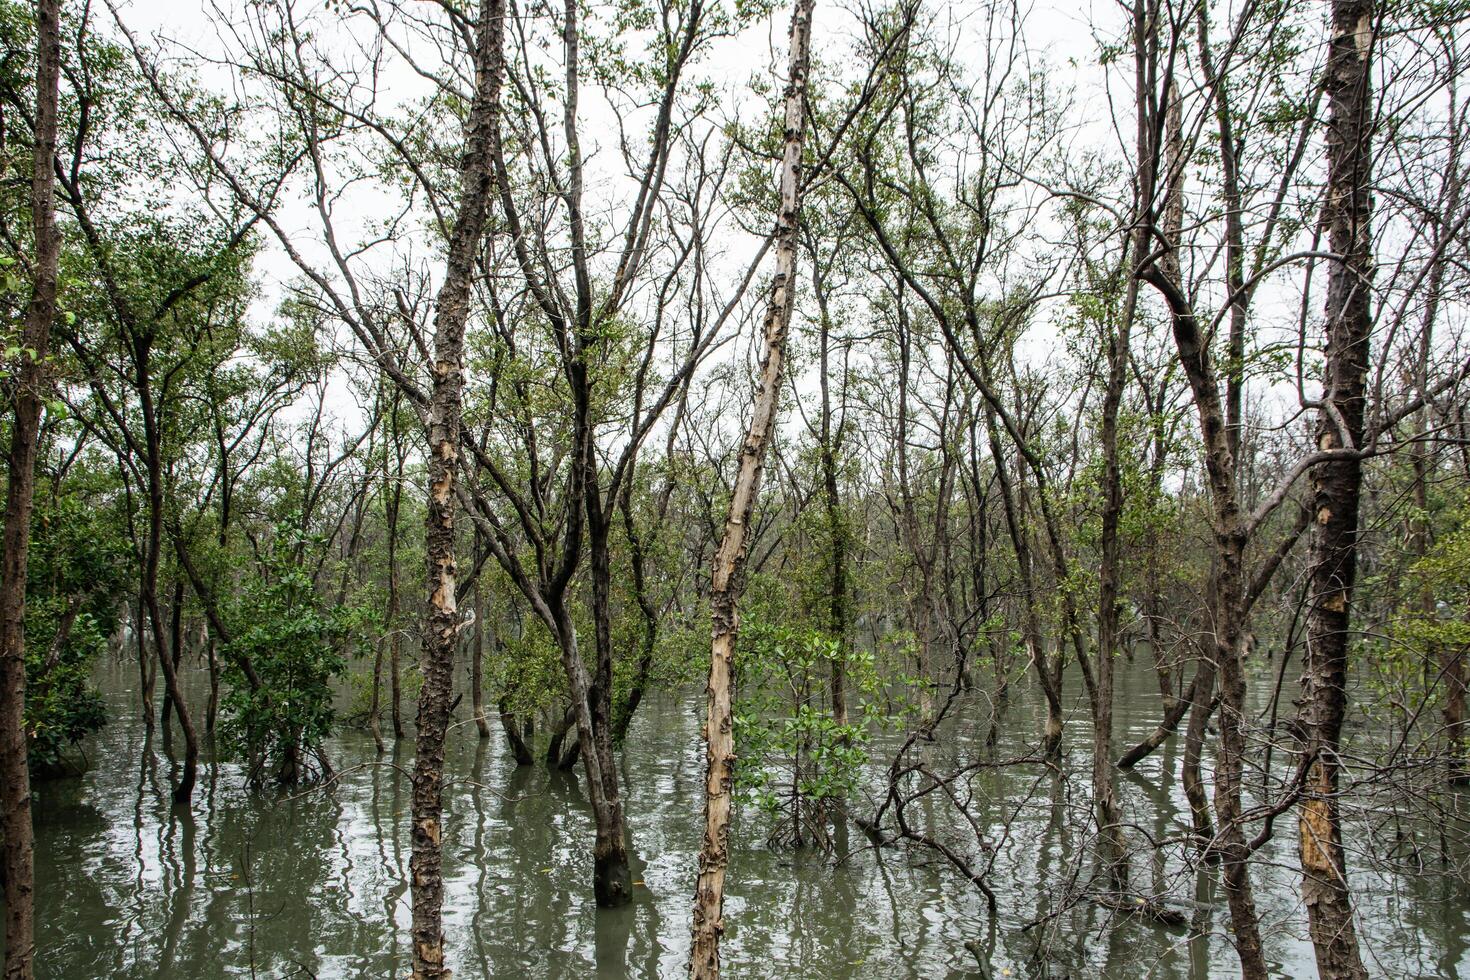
(297, 643)
(526, 666)
(78, 566)
(796, 758)
(1434, 615)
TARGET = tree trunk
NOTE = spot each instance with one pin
(514, 737)
(211, 708)
(477, 665)
(714, 853)
(1230, 756)
(175, 646)
(395, 689)
(638, 560)
(612, 879)
(836, 524)
(152, 553)
(1452, 662)
(172, 687)
(1223, 655)
(558, 737)
(15, 778)
(146, 677)
(1336, 486)
(599, 530)
(1112, 849)
(441, 629)
(375, 724)
(1449, 657)
(1013, 504)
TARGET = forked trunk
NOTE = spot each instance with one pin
(612, 879)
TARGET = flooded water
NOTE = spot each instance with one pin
(253, 883)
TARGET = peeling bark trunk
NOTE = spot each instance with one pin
(727, 579)
(15, 779)
(441, 629)
(1337, 485)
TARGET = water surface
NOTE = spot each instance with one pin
(257, 883)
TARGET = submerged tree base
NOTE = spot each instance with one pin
(612, 880)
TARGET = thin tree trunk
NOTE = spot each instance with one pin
(1457, 731)
(211, 708)
(146, 676)
(394, 633)
(1230, 756)
(558, 736)
(441, 629)
(599, 531)
(1104, 793)
(175, 646)
(612, 879)
(1173, 714)
(151, 415)
(375, 723)
(1337, 485)
(514, 736)
(922, 608)
(1201, 705)
(1227, 600)
(1449, 656)
(638, 559)
(836, 524)
(477, 662)
(1153, 603)
(392, 492)
(15, 779)
(714, 853)
(1013, 504)
(172, 688)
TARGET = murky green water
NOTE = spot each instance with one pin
(256, 884)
